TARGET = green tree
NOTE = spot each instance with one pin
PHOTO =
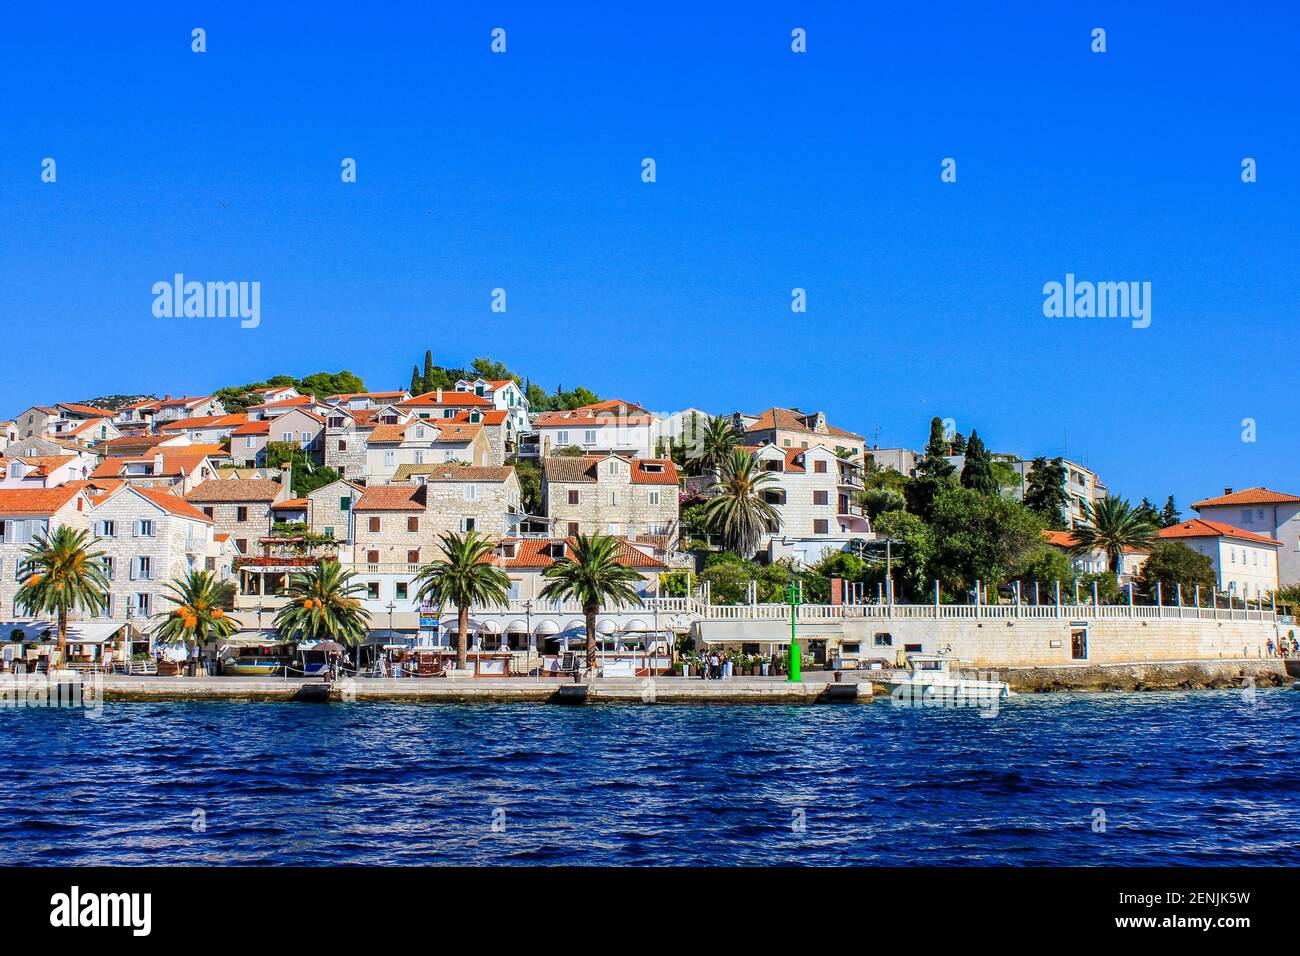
(977, 472)
(1045, 566)
(463, 578)
(1112, 526)
(428, 382)
(934, 473)
(716, 443)
(738, 510)
(61, 574)
(1172, 563)
(1147, 511)
(323, 605)
(307, 475)
(877, 501)
(200, 602)
(322, 384)
(530, 486)
(592, 577)
(911, 553)
(1045, 491)
(417, 381)
(980, 538)
(1169, 515)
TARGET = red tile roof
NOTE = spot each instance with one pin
(87, 410)
(35, 501)
(564, 469)
(205, 421)
(290, 504)
(172, 504)
(392, 498)
(449, 397)
(1201, 528)
(253, 428)
(791, 420)
(219, 490)
(533, 553)
(1249, 496)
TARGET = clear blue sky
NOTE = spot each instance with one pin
(775, 170)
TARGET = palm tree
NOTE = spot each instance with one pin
(323, 606)
(61, 574)
(738, 510)
(198, 615)
(591, 577)
(463, 577)
(717, 441)
(1113, 526)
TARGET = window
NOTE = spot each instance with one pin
(471, 492)
(819, 467)
(110, 567)
(589, 436)
(343, 445)
(329, 531)
(142, 605)
(208, 510)
(821, 498)
(108, 529)
(374, 525)
(286, 437)
(241, 545)
(419, 458)
(141, 568)
(345, 503)
(785, 442)
(882, 639)
(306, 438)
(821, 526)
(399, 590)
(144, 528)
(573, 497)
(562, 438)
(390, 458)
(573, 529)
(413, 556)
(241, 513)
(413, 523)
(250, 441)
(372, 557)
(654, 497)
(467, 524)
(613, 497)
(372, 590)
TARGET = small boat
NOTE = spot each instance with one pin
(252, 667)
(929, 680)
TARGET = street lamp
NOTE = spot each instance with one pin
(795, 662)
(528, 625)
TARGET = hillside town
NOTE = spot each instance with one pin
(208, 515)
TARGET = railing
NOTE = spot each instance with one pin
(977, 612)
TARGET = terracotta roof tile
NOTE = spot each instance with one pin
(1249, 496)
(35, 501)
(450, 472)
(392, 498)
(219, 490)
(534, 553)
(1201, 528)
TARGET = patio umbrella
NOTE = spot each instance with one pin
(329, 647)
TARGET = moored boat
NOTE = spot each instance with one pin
(252, 667)
(929, 679)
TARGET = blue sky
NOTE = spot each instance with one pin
(775, 171)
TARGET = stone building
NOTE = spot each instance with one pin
(613, 495)
(240, 507)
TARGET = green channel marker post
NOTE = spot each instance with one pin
(794, 647)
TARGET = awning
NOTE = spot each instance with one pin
(636, 624)
(546, 628)
(606, 627)
(92, 632)
(489, 627)
(516, 627)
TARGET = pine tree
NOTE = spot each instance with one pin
(959, 443)
(1045, 491)
(977, 472)
(1147, 512)
(1169, 515)
(934, 472)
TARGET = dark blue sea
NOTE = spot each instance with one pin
(1204, 777)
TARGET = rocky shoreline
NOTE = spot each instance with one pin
(1142, 676)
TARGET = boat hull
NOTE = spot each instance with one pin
(259, 669)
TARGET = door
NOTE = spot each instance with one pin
(1079, 643)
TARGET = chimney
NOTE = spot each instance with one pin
(286, 482)
(439, 398)
(1227, 491)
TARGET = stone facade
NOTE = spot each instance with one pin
(325, 511)
(611, 495)
(149, 546)
(240, 507)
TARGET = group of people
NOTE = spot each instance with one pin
(1284, 647)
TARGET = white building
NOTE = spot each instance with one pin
(612, 427)
(1245, 563)
(1273, 514)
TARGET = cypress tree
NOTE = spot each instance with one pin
(977, 473)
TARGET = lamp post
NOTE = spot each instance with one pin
(528, 625)
(795, 663)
